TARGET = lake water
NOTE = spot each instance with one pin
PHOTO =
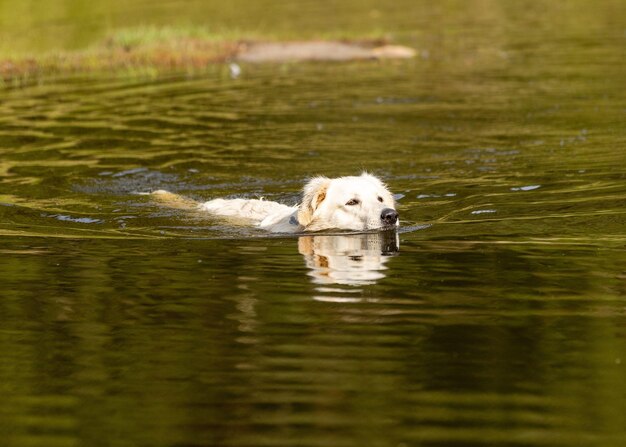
(496, 315)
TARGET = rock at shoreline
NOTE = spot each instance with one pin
(319, 51)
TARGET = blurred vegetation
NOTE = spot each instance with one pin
(61, 36)
(143, 49)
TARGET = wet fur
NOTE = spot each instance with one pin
(324, 206)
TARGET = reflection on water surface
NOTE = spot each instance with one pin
(357, 259)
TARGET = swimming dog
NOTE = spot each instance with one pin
(357, 203)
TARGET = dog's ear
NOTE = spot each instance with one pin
(314, 195)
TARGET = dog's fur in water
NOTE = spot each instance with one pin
(348, 203)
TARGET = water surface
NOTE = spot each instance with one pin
(494, 317)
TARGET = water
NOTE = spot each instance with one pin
(495, 315)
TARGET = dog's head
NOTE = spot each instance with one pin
(347, 203)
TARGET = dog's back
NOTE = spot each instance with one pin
(271, 216)
(253, 209)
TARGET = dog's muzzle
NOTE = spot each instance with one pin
(389, 216)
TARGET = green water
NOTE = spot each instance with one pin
(496, 316)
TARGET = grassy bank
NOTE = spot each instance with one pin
(143, 49)
(160, 49)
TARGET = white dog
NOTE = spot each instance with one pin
(346, 203)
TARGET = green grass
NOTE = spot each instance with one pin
(151, 36)
(144, 49)
(174, 36)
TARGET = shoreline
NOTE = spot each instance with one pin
(185, 52)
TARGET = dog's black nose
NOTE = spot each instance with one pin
(389, 216)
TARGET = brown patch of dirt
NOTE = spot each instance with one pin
(320, 51)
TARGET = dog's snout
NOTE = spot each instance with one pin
(389, 216)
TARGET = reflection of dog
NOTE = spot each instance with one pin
(355, 259)
(347, 203)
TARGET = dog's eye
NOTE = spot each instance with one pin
(380, 199)
(353, 202)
